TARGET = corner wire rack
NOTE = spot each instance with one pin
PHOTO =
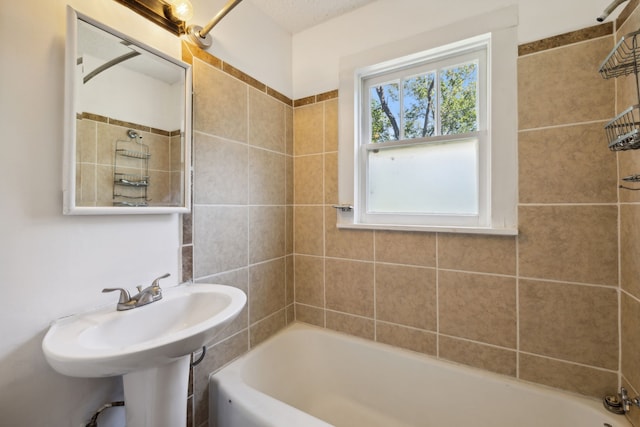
(130, 189)
(623, 132)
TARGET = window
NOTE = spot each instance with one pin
(428, 151)
(423, 139)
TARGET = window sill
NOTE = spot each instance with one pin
(432, 229)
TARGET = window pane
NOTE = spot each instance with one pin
(419, 106)
(459, 99)
(385, 112)
(430, 179)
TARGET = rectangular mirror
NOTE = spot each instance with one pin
(128, 124)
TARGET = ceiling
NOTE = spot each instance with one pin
(298, 15)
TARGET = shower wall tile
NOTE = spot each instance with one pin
(494, 359)
(576, 243)
(288, 229)
(331, 179)
(308, 131)
(331, 125)
(478, 307)
(307, 178)
(562, 86)
(218, 246)
(408, 338)
(241, 229)
(288, 118)
(352, 244)
(267, 177)
(266, 289)
(289, 282)
(310, 315)
(220, 171)
(353, 325)
(309, 280)
(266, 233)
(266, 121)
(629, 18)
(568, 164)
(479, 253)
(308, 230)
(570, 322)
(349, 286)
(406, 295)
(629, 249)
(628, 165)
(266, 328)
(288, 193)
(406, 248)
(630, 319)
(220, 103)
(290, 313)
(568, 376)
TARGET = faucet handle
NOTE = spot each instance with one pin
(156, 281)
(124, 294)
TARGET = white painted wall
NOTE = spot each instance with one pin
(53, 265)
(250, 41)
(317, 51)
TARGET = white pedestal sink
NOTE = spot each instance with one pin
(149, 346)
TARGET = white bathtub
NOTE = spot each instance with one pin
(311, 377)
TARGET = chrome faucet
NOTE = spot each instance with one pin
(144, 296)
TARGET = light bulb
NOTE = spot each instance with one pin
(181, 9)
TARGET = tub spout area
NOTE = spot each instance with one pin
(621, 403)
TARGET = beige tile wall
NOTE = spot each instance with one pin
(629, 164)
(240, 229)
(542, 306)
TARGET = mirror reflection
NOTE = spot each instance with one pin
(130, 124)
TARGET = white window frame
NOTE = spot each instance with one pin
(472, 50)
(496, 31)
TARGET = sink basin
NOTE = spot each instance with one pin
(106, 342)
(149, 345)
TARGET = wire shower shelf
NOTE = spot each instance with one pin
(623, 132)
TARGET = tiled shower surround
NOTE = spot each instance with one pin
(557, 305)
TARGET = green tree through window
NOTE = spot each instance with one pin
(455, 105)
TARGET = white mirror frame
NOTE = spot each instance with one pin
(70, 131)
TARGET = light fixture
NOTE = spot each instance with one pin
(178, 10)
(173, 14)
(200, 35)
(169, 14)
